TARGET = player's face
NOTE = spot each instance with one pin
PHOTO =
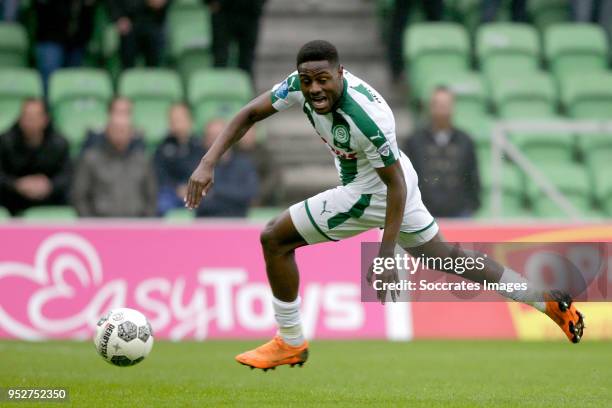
(321, 84)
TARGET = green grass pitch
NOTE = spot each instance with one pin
(339, 373)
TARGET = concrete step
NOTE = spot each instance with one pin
(301, 182)
(282, 37)
(297, 9)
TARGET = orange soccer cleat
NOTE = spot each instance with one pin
(274, 353)
(560, 308)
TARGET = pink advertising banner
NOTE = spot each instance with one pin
(205, 280)
(198, 281)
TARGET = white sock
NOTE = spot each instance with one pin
(533, 296)
(287, 316)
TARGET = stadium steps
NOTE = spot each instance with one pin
(286, 25)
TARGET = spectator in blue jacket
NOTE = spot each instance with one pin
(175, 158)
(235, 184)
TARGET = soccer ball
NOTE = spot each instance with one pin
(123, 337)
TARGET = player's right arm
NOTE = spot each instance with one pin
(281, 97)
(202, 178)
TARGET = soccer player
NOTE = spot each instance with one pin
(379, 189)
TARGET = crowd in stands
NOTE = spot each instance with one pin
(119, 170)
(114, 176)
(128, 165)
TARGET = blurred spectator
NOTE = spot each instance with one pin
(235, 185)
(115, 178)
(175, 158)
(445, 161)
(140, 24)
(434, 9)
(235, 20)
(34, 161)
(9, 10)
(64, 27)
(119, 106)
(490, 8)
(267, 169)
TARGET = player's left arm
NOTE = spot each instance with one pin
(393, 177)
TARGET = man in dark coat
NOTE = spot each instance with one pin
(445, 160)
(34, 161)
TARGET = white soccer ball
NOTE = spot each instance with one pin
(123, 337)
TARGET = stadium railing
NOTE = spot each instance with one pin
(503, 147)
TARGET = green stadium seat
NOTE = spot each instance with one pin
(179, 215)
(79, 100)
(524, 96)
(575, 49)
(599, 165)
(573, 182)
(190, 47)
(16, 85)
(187, 12)
(596, 146)
(152, 91)
(207, 111)
(431, 47)
(513, 196)
(545, 147)
(479, 127)
(588, 96)
(545, 13)
(507, 48)
(264, 213)
(5, 215)
(189, 36)
(50, 213)
(13, 45)
(467, 87)
(218, 92)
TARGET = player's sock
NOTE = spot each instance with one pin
(532, 296)
(288, 318)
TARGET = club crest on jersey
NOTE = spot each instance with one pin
(341, 134)
(282, 91)
(384, 149)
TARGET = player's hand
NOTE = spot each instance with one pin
(389, 275)
(200, 182)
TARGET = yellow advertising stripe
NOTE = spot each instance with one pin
(599, 233)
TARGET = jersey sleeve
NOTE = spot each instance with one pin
(287, 93)
(375, 134)
(379, 152)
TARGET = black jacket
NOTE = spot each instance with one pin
(241, 7)
(138, 11)
(69, 22)
(448, 174)
(174, 163)
(52, 159)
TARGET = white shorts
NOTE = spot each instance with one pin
(343, 212)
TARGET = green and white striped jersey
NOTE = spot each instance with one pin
(360, 132)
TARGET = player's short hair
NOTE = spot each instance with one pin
(318, 50)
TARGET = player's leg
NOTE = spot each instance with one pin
(329, 216)
(558, 306)
(279, 240)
